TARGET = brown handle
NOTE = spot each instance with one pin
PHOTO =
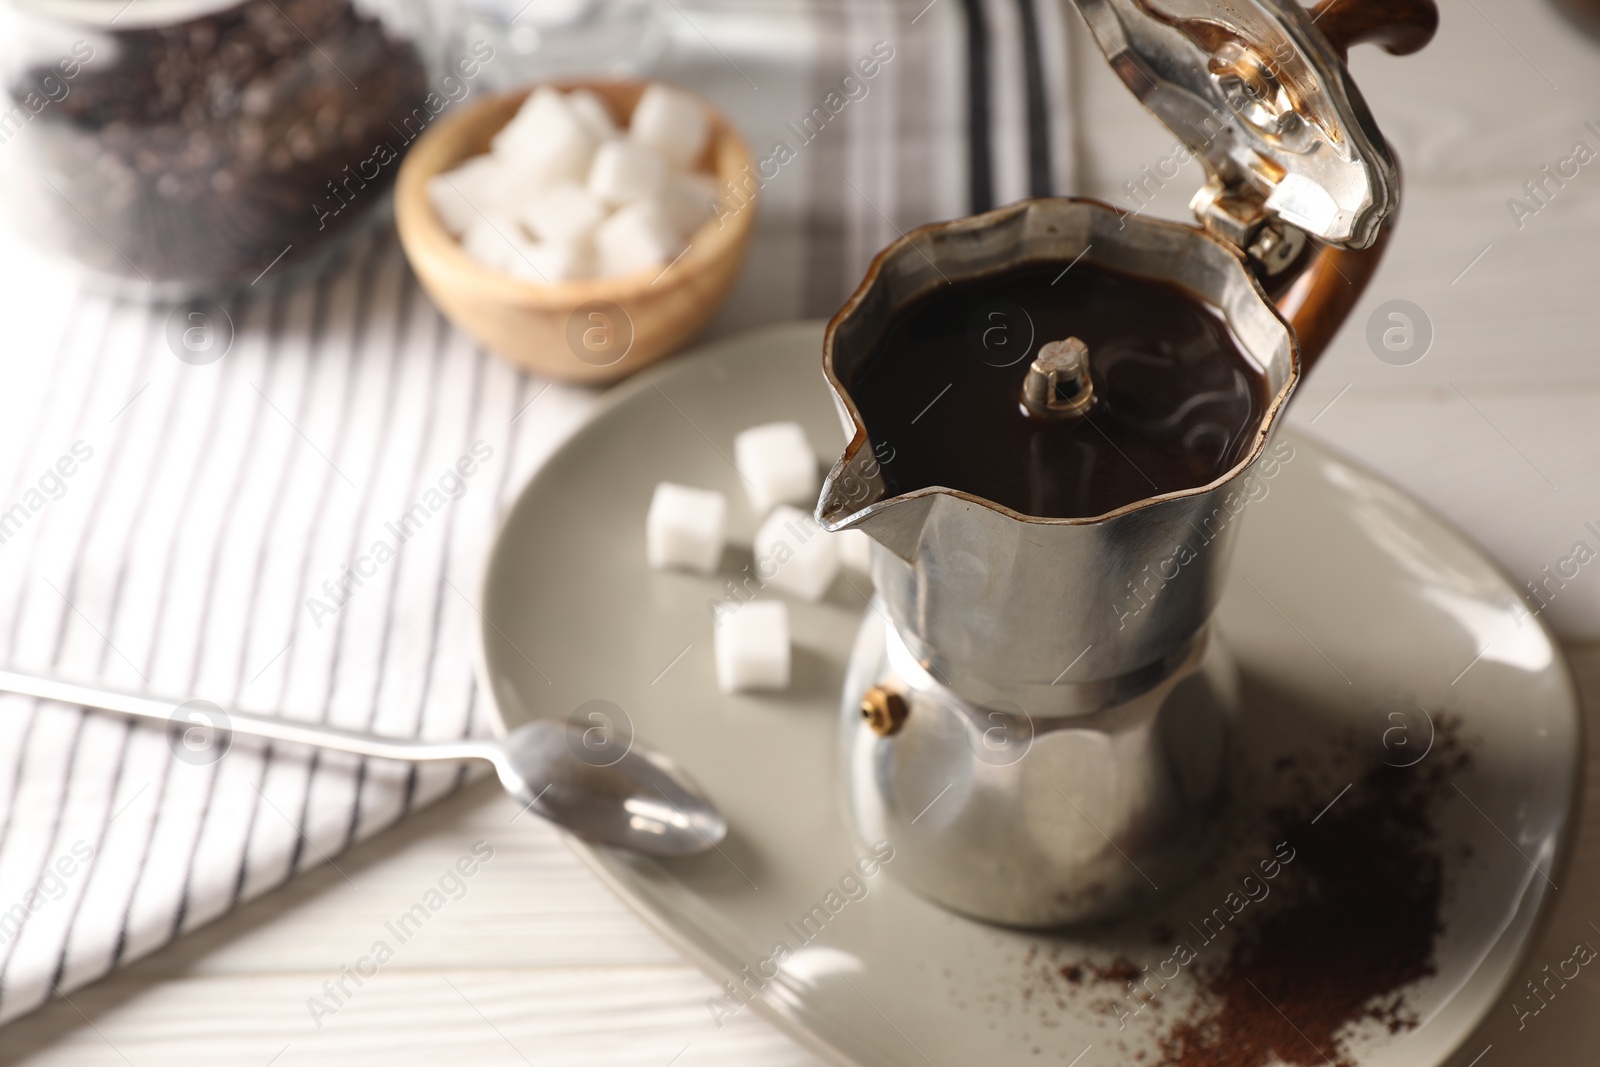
(1399, 27)
(1321, 298)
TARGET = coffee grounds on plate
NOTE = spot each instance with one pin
(1353, 927)
(1358, 926)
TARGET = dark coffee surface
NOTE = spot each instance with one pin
(1176, 402)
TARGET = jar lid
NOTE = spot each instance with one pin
(1256, 90)
(125, 14)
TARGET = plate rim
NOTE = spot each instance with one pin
(594, 857)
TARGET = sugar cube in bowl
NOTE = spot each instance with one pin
(664, 269)
(623, 172)
(565, 211)
(672, 122)
(638, 237)
(594, 113)
(546, 141)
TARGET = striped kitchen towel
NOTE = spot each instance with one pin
(184, 525)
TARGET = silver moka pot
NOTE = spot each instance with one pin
(1036, 712)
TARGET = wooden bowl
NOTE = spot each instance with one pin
(589, 329)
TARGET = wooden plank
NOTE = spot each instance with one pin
(1505, 468)
(592, 1016)
(533, 905)
(562, 970)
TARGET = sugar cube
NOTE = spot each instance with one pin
(562, 194)
(459, 195)
(492, 241)
(794, 554)
(672, 122)
(752, 647)
(543, 112)
(635, 237)
(624, 171)
(545, 140)
(550, 261)
(854, 549)
(593, 113)
(563, 212)
(687, 199)
(684, 527)
(777, 465)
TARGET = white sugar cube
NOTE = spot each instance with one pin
(545, 141)
(551, 261)
(752, 647)
(687, 200)
(794, 554)
(593, 113)
(777, 465)
(854, 549)
(561, 194)
(544, 117)
(500, 190)
(492, 241)
(563, 212)
(624, 171)
(459, 195)
(483, 185)
(635, 237)
(684, 527)
(672, 122)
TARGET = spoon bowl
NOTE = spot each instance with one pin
(639, 800)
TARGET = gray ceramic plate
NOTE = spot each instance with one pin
(1344, 594)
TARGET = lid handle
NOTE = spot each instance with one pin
(1399, 27)
(1058, 384)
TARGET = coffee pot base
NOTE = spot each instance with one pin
(1032, 820)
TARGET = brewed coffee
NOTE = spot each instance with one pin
(1176, 404)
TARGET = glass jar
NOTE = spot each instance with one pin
(1585, 14)
(180, 146)
(543, 40)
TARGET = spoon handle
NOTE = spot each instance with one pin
(240, 722)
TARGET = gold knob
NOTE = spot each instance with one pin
(884, 712)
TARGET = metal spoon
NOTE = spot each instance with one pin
(639, 800)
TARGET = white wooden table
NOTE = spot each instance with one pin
(1498, 426)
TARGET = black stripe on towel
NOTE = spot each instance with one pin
(980, 170)
(1039, 183)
